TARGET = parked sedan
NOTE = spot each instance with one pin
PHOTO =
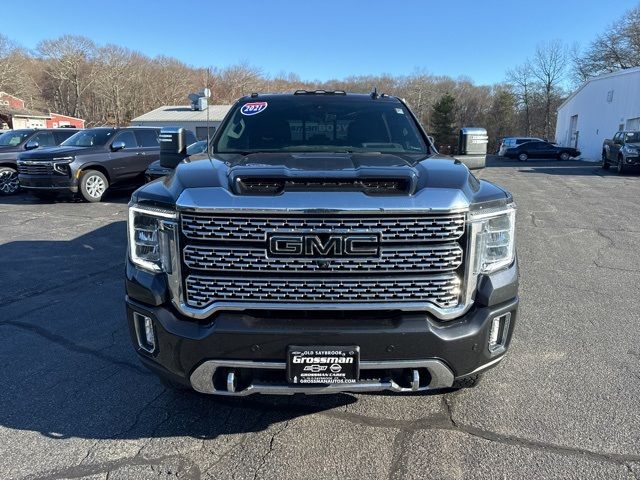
(541, 150)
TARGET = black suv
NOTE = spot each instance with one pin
(325, 246)
(14, 142)
(90, 162)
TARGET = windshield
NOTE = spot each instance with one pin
(14, 137)
(320, 124)
(90, 138)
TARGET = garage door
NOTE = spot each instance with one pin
(633, 123)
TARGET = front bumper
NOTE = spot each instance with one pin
(632, 161)
(48, 182)
(252, 345)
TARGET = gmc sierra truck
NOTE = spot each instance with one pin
(623, 150)
(324, 246)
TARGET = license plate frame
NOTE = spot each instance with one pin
(313, 365)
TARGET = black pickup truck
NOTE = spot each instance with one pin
(15, 142)
(321, 246)
(623, 151)
(90, 162)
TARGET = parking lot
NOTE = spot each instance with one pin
(75, 402)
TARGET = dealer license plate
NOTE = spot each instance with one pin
(319, 365)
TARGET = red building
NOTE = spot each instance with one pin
(14, 115)
(11, 101)
(58, 120)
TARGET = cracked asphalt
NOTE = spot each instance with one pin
(75, 402)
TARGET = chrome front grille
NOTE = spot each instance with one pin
(393, 228)
(443, 291)
(415, 259)
(35, 168)
(225, 263)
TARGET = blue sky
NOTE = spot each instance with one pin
(328, 39)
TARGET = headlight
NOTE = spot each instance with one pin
(494, 239)
(632, 150)
(150, 233)
(61, 164)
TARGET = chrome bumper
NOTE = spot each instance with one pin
(202, 378)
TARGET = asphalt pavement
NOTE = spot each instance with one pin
(76, 403)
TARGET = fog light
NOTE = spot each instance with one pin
(144, 332)
(498, 332)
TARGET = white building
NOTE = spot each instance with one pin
(601, 107)
(184, 116)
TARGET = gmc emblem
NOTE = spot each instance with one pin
(329, 245)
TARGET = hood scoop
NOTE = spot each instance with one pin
(369, 186)
(371, 175)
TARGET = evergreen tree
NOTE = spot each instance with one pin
(442, 123)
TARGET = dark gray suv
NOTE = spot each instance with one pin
(15, 142)
(90, 162)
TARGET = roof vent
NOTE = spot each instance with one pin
(199, 100)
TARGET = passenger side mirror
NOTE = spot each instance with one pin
(31, 144)
(118, 145)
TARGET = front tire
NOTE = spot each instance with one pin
(564, 156)
(605, 162)
(8, 181)
(93, 186)
(621, 169)
(523, 157)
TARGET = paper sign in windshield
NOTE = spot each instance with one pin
(253, 108)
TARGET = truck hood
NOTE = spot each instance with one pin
(214, 181)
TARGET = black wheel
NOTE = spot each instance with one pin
(467, 382)
(93, 185)
(621, 168)
(44, 194)
(564, 156)
(523, 157)
(605, 162)
(8, 181)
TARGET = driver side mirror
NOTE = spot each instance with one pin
(118, 145)
(31, 144)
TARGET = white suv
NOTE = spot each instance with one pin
(512, 142)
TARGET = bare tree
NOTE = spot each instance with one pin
(548, 67)
(69, 65)
(9, 69)
(115, 81)
(617, 48)
(238, 80)
(521, 78)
